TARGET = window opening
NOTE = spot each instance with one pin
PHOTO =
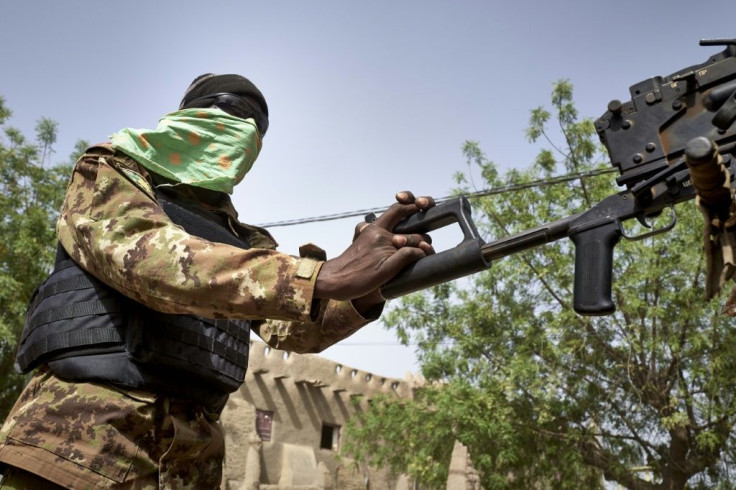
(264, 424)
(330, 437)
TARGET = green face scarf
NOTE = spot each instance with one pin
(201, 147)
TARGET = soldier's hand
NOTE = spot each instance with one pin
(376, 254)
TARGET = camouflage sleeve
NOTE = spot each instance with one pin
(337, 321)
(113, 227)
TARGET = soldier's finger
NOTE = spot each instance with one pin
(424, 202)
(405, 197)
(413, 240)
(393, 215)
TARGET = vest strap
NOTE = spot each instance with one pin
(74, 283)
(67, 340)
(74, 310)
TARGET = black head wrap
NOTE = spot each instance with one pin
(209, 83)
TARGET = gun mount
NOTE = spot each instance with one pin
(649, 132)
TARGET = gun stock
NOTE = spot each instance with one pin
(466, 258)
(471, 255)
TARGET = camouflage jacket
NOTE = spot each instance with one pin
(113, 227)
(84, 435)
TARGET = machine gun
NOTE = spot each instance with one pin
(674, 139)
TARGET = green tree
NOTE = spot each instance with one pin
(31, 191)
(543, 397)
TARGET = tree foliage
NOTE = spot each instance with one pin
(543, 397)
(31, 190)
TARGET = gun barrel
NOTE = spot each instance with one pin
(527, 239)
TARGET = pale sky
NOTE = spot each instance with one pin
(366, 98)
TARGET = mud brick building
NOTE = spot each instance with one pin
(285, 426)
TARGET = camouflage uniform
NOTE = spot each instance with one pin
(84, 435)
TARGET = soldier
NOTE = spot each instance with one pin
(142, 329)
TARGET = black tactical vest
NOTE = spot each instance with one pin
(86, 331)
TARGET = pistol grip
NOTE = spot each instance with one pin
(594, 268)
